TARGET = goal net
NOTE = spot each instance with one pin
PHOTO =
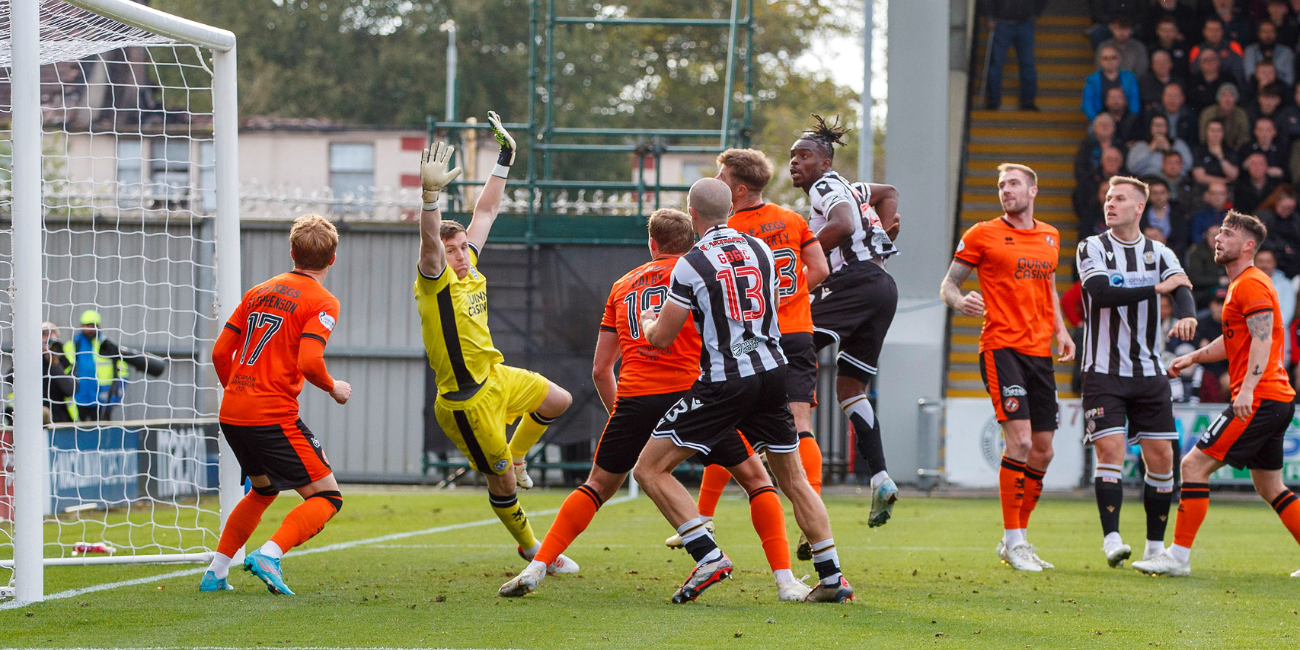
(131, 284)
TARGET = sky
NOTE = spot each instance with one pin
(841, 58)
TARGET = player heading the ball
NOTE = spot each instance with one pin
(477, 393)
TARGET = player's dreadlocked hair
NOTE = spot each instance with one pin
(827, 135)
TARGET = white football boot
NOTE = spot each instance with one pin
(1019, 557)
(1164, 564)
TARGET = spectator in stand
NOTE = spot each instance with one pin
(1270, 106)
(1182, 120)
(1132, 53)
(1103, 12)
(1216, 208)
(1203, 86)
(1145, 158)
(1267, 47)
(1166, 216)
(1151, 85)
(1087, 160)
(1171, 39)
(1280, 15)
(1090, 209)
(1266, 143)
(1236, 123)
(1204, 273)
(1229, 51)
(1153, 234)
(1180, 17)
(1173, 174)
(1209, 326)
(1127, 125)
(1278, 212)
(1214, 161)
(1236, 25)
(1266, 261)
(1254, 185)
(1265, 80)
(1288, 118)
(1011, 23)
(1108, 76)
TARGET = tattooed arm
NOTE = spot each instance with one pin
(1260, 326)
(971, 304)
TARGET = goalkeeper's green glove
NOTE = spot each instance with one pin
(435, 173)
(507, 156)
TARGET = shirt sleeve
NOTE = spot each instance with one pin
(970, 250)
(806, 236)
(238, 319)
(1088, 259)
(824, 195)
(321, 320)
(1254, 296)
(681, 285)
(1169, 264)
(609, 321)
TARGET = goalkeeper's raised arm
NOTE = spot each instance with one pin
(489, 202)
(435, 174)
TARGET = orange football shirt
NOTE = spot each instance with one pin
(1250, 294)
(786, 233)
(271, 322)
(646, 369)
(1017, 276)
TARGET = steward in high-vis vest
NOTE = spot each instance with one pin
(100, 368)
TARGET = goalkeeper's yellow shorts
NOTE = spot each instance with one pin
(478, 425)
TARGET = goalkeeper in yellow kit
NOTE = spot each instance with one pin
(477, 393)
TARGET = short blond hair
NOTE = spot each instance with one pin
(1006, 167)
(1143, 188)
(672, 231)
(750, 167)
(313, 240)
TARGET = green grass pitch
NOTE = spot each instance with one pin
(927, 579)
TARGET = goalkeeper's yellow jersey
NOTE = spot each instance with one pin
(454, 323)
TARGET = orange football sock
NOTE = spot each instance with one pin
(1033, 490)
(574, 517)
(769, 522)
(241, 523)
(811, 456)
(1011, 491)
(1193, 503)
(714, 481)
(302, 523)
(1286, 508)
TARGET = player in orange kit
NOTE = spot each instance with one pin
(650, 381)
(272, 343)
(1250, 432)
(801, 265)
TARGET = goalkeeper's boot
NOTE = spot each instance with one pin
(522, 479)
(523, 584)
(1020, 557)
(676, 540)
(822, 593)
(702, 577)
(211, 582)
(1164, 564)
(882, 503)
(267, 569)
(804, 550)
(562, 564)
(792, 592)
(1115, 555)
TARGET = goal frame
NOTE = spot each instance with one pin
(31, 448)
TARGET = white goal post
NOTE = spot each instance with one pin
(45, 260)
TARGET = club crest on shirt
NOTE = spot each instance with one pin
(500, 465)
(1050, 240)
(1011, 405)
(1149, 257)
(326, 320)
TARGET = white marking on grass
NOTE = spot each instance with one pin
(341, 546)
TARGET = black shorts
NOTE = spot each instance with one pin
(1252, 444)
(289, 455)
(801, 367)
(629, 427)
(707, 417)
(1021, 387)
(854, 307)
(1144, 403)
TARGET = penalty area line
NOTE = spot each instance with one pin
(341, 546)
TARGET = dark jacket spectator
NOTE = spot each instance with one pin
(1132, 53)
(1146, 157)
(1288, 27)
(1215, 199)
(1236, 124)
(1011, 23)
(1267, 47)
(1203, 86)
(1128, 126)
(1214, 161)
(1201, 268)
(1208, 328)
(1175, 175)
(1266, 142)
(1168, 37)
(1168, 217)
(1087, 159)
(1109, 76)
(1229, 50)
(1180, 17)
(1288, 118)
(1254, 185)
(1151, 85)
(1278, 213)
(1270, 106)
(1182, 120)
(1264, 80)
(1236, 24)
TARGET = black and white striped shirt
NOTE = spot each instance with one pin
(868, 240)
(728, 282)
(1124, 339)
